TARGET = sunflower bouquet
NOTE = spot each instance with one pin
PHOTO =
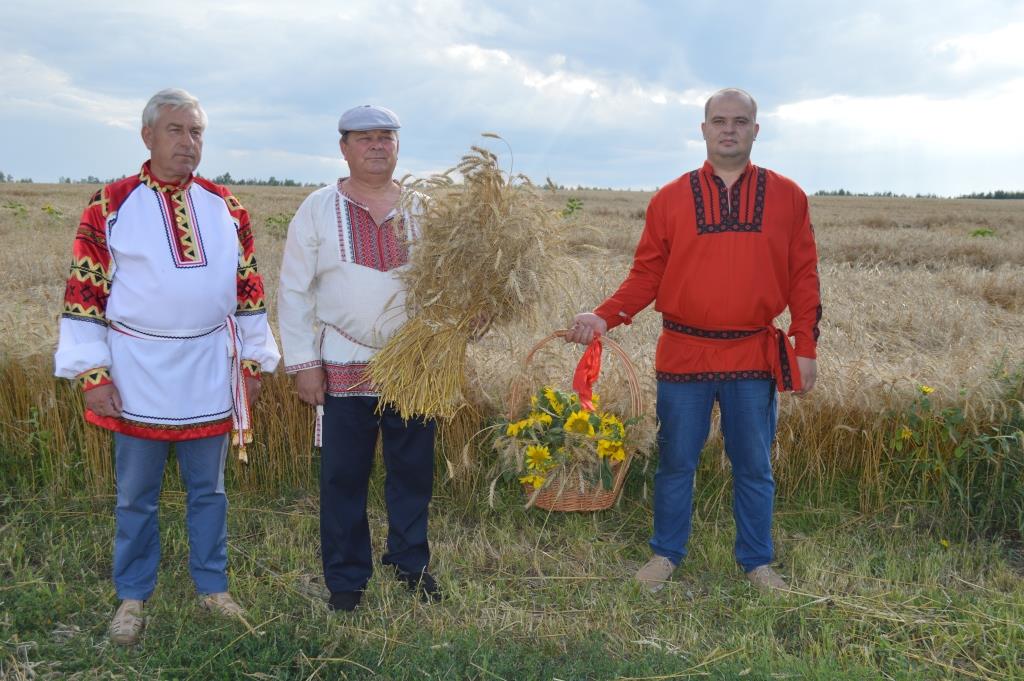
(558, 442)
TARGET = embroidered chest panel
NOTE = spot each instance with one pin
(180, 224)
(363, 242)
(739, 208)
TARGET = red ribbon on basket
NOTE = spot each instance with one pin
(586, 373)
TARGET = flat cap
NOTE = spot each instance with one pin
(368, 117)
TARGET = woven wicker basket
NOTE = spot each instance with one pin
(561, 494)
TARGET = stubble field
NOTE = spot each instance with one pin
(903, 550)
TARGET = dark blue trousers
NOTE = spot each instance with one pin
(350, 428)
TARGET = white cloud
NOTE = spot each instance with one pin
(28, 83)
(1001, 48)
(540, 94)
(972, 123)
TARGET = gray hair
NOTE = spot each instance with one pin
(174, 98)
(731, 91)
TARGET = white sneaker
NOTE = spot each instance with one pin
(656, 573)
(222, 604)
(128, 622)
(767, 579)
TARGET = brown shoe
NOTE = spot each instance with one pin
(222, 604)
(656, 573)
(128, 622)
(767, 579)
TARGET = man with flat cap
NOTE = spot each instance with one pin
(340, 300)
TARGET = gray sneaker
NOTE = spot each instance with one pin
(656, 573)
(767, 579)
(128, 623)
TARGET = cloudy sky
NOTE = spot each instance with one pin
(914, 96)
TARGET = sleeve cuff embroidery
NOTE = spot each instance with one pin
(252, 369)
(291, 369)
(94, 378)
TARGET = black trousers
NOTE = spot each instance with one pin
(350, 427)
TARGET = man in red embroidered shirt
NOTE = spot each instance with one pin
(340, 299)
(725, 249)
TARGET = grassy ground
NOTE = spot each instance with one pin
(531, 596)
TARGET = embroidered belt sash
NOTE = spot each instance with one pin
(778, 349)
(241, 419)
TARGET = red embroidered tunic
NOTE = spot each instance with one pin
(720, 265)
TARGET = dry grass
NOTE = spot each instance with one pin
(910, 298)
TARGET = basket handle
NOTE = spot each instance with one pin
(635, 402)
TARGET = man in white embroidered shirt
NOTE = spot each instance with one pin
(165, 327)
(339, 301)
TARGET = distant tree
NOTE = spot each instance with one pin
(997, 194)
(26, 180)
(224, 179)
(3, 178)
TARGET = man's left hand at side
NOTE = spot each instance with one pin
(808, 374)
(252, 389)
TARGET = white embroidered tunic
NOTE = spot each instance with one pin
(340, 298)
(165, 301)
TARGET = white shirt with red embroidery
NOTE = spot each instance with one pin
(164, 300)
(340, 297)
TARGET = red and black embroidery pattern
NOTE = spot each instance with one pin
(88, 284)
(735, 209)
(94, 378)
(723, 334)
(365, 243)
(179, 218)
(709, 376)
(348, 379)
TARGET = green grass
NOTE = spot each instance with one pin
(531, 596)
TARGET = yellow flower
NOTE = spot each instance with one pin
(540, 417)
(613, 450)
(514, 429)
(533, 400)
(612, 427)
(579, 422)
(927, 390)
(536, 480)
(906, 433)
(553, 400)
(944, 543)
(596, 399)
(537, 457)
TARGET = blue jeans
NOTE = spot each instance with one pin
(139, 465)
(749, 413)
(351, 426)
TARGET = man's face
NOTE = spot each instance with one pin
(730, 128)
(175, 143)
(371, 154)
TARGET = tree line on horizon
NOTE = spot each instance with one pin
(997, 194)
(272, 181)
(220, 179)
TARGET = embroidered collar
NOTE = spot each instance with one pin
(348, 197)
(708, 171)
(147, 178)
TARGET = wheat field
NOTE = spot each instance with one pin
(915, 292)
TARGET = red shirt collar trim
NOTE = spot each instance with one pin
(147, 178)
(708, 170)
